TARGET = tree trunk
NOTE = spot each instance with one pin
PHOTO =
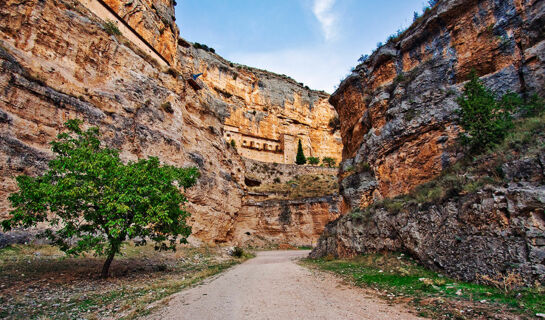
(106, 266)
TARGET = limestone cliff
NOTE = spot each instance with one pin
(398, 125)
(60, 60)
(397, 108)
(269, 113)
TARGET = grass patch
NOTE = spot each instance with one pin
(111, 28)
(41, 282)
(398, 277)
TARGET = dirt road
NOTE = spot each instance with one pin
(274, 286)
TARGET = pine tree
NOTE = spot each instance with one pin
(300, 159)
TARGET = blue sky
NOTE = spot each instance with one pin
(313, 41)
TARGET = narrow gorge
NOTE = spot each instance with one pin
(386, 175)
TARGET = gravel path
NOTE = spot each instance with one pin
(274, 286)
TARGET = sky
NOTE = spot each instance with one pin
(316, 42)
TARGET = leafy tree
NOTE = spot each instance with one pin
(485, 119)
(330, 162)
(313, 160)
(300, 158)
(92, 201)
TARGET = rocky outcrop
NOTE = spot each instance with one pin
(278, 222)
(49, 75)
(397, 108)
(496, 230)
(57, 62)
(272, 215)
(398, 125)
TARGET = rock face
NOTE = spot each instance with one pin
(57, 61)
(270, 113)
(270, 217)
(398, 125)
(397, 109)
(494, 231)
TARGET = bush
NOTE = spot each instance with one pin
(167, 107)
(173, 72)
(92, 201)
(313, 160)
(484, 119)
(363, 58)
(300, 158)
(330, 162)
(233, 143)
(238, 252)
(335, 123)
(111, 28)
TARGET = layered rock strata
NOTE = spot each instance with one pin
(398, 125)
(58, 61)
(397, 108)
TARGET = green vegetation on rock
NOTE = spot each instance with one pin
(399, 278)
(92, 201)
(300, 159)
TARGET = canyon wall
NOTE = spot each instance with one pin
(58, 61)
(286, 204)
(269, 113)
(397, 109)
(398, 125)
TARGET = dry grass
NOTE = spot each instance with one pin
(303, 186)
(41, 282)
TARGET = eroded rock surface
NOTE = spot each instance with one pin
(397, 109)
(57, 62)
(398, 125)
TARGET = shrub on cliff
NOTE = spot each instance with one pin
(485, 119)
(313, 160)
(330, 162)
(92, 201)
(111, 28)
(300, 158)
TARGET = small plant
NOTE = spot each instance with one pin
(300, 159)
(167, 107)
(363, 58)
(238, 252)
(173, 72)
(313, 160)
(335, 123)
(330, 162)
(111, 28)
(233, 143)
(508, 282)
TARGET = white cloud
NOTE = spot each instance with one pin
(323, 10)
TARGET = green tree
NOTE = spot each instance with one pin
(300, 159)
(92, 201)
(485, 119)
(330, 162)
(313, 160)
